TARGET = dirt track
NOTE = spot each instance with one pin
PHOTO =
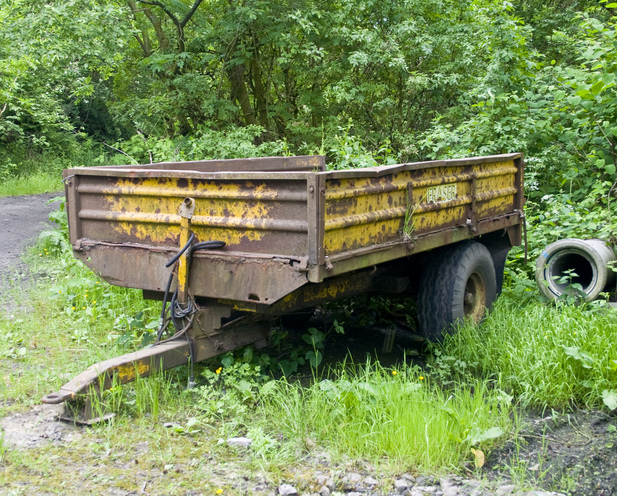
(21, 219)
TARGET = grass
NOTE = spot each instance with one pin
(26, 171)
(38, 182)
(394, 416)
(546, 355)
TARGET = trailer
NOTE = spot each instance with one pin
(229, 245)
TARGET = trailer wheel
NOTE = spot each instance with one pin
(458, 283)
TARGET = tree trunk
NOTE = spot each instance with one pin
(240, 93)
(261, 97)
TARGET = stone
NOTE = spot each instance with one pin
(351, 481)
(352, 478)
(427, 489)
(472, 483)
(324, 491)
(418, 491)
(408, 477)
(401, 485)
(243, 442)
(324, 480)
(448, 488)
(287, 490)
(424, 480)
(370, 482)
(506, 489)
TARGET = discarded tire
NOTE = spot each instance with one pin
(459, 282)
(575, 261)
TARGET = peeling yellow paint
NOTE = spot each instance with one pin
(221, 215)
(368, 211)
(128, 373)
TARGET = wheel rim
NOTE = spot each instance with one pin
(475, 298)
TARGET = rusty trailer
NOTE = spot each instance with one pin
(239, 242)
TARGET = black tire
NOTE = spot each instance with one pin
(459, 282)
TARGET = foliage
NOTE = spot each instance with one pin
(40, 75)
(301, 71)
(82, 297)
(234, 387)
(205, 143)
(545, 356)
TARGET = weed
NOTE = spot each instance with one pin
(409, 224)
(545, 356)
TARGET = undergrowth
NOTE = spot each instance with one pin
(545, 355)
(460, 404)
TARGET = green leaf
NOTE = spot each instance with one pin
(582, 357)
(477, 436)
(192, 422)
(610, 169)
(574, 100)
(609, 397)
(597, 87)
(314, 358)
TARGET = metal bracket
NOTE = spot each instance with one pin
(187, 208)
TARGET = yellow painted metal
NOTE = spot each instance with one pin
(222, 206)
(361, 212)
(186, 212)
(240, 212)
(130, 372)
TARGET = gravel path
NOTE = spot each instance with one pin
(21, 220)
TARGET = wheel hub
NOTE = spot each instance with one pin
(474, 300)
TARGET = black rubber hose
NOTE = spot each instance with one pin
(179, 254)
(172, 313)
(166, 295)
(208, 245)
(159, 334)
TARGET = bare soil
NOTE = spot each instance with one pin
(573, 453)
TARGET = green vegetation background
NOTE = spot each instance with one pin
(363, 82)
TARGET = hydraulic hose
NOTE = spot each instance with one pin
(179, 254)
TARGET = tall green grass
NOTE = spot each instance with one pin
(38, 182)
(396, 417)
(24, 171)
(546, 355)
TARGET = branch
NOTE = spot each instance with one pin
(145, 142)
(142, 44)
(188, 16)
(6, 104)
(179, 24)
(123, 153)
(163, 8)
(145, 42)
(602, 131)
